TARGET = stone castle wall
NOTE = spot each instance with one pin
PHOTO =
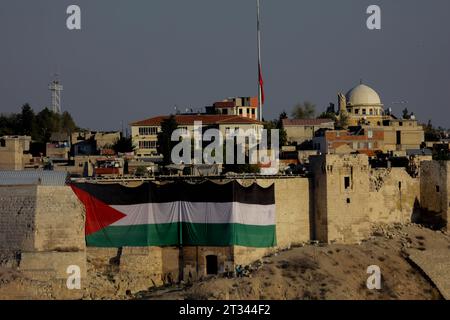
(398, 198)
(341, 192)
(42, 228)
(17, 218)
(349, 197)
(42, 234)
(435, 190)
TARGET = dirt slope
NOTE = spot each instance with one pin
(328, 272)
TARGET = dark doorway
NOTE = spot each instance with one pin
(211, 264)
(399, 137)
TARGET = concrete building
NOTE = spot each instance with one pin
(402, 135)
(145, 133)
(363, 140)
(14, 152)
(246, 107)
(93, 142)
(365, 112)
(106, 139)
(58, 148)
(300, 130)
(395, 136)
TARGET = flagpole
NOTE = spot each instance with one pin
(260, 98)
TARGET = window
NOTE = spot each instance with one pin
(437, 188)
(364, 111)
(348, 200)
(253, 111)
(184, 130)
(148, 131)
(346, 183)
(147, 144)
(349, 110)
(399, 185)
(2, 143)
(370, 134)
(240, 110)
(356, 111)
(371, 112)
(399, 137)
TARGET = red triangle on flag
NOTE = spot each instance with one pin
(99, 215)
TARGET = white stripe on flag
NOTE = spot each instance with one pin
(196, 212)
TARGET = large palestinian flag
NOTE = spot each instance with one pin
(178, 213)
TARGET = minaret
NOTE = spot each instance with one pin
(342, 103)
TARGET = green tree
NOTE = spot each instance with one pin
(67, 123)
(123, 145)
(47, 122)
(238, 168)
(27, 119)
(431, 134)
(40, 126)
(141, 171)
(277, 124)
(165, 143)
(10, 124)
(305, 110)
(327, 115)
(342, 121)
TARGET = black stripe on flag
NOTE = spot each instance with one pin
(208, 191)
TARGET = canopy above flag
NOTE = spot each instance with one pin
(178, 213)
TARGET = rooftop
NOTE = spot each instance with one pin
(33, 177)
(205, 119)
(306, 122)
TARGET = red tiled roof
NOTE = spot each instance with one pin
(190, 119)
(305, 122)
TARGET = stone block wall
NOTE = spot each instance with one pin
(59, 220)
(435, 191)
(395, 197)
(17, 218)
(42, 229)
(134, 269)
(341, 192)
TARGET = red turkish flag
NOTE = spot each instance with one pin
(261, 83)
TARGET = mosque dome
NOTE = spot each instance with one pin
(362, 95)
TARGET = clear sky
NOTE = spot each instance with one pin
(140, 58)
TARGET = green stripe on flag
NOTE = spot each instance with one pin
(194, 234)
